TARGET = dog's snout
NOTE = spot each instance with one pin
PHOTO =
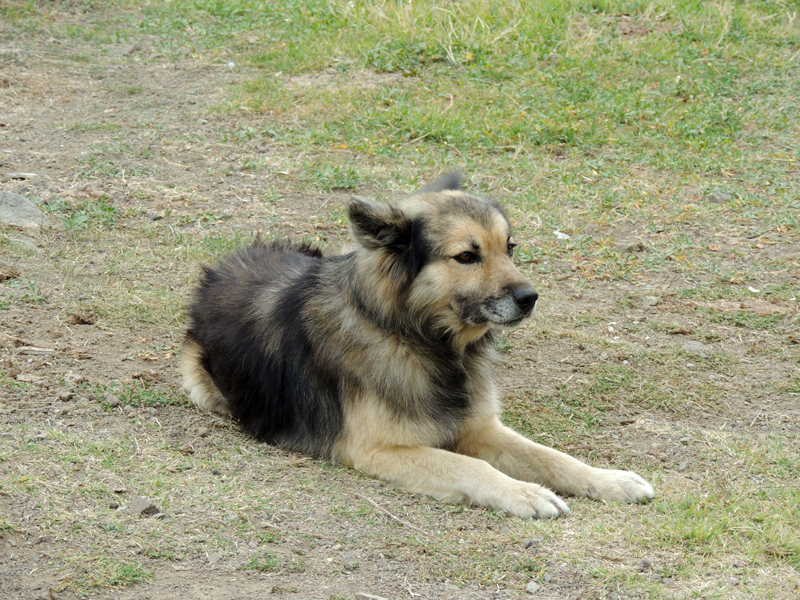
(525, 297)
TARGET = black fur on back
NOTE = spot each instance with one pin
(257, 350)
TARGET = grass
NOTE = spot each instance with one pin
(609, 122)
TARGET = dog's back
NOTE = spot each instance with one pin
(248, 351)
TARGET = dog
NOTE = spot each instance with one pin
(381, 359)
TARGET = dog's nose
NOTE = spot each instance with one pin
(525, 297)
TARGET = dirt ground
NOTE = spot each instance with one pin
(65, 115)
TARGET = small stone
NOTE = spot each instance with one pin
(644, 564)
(214, 558)
(697, 348)
(683, 465)
(203, 432)
(8, 272)
(630, 247)
(113, 505)
(651, 301)
(74, 378)
(216, 471)
(686, 440)
(80, 317)
(532, 587)
(18, 210)
(666, 581)
(66, 396)
(546, 578)
(141, 506)
(718, 197)
(528, 543)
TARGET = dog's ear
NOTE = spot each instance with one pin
(379, 225)
(448, 181)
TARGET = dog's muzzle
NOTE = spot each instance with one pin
(510, 309)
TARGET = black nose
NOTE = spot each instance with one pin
(525, 297)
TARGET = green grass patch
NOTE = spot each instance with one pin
(93, 573)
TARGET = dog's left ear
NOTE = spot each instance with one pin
(379, 225)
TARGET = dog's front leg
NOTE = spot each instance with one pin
(488, 439)
(456, 478)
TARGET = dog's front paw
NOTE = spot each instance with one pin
(531, 501)
(618, 486)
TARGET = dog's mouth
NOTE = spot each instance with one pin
(497, 313)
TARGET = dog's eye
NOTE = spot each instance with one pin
(466, 258)
(510, 249)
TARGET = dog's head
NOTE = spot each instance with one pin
(452, 254)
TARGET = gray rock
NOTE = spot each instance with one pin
(697, 348)
(8, 271)
(18, 210)
(141, 506)
(683, 465)
(651, 301)
(112, 400)
(214, 557)
(718, 197)
(630, 247)
(644, 564)
(532, 587)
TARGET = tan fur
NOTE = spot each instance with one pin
(390, 377)
(197, 382)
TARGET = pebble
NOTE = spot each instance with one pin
(683, 465)
(66, 396)
(532, 587)
(697, 348)
(718, 197)
(546, 578)
(630, 247)
(203, 432)
(141, 506)
(528, 543)
(651, 301)
(214, 558)
(112, 400)
(644, 564)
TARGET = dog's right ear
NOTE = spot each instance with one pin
(379, 225)
(448, 181)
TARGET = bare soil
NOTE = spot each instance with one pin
(145, 134)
